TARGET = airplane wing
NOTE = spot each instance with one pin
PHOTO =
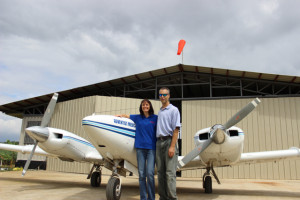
(24, 149)
(250, 158)
(269, 156)
(93, 157)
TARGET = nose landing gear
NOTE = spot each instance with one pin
(207, 182)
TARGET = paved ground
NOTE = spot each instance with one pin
(47, 185)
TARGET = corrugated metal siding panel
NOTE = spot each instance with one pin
(273, 125)
(120, 105)
(68, 116)
(21, 156)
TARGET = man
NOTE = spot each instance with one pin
(168, 125)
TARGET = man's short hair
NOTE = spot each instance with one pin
(165, 88)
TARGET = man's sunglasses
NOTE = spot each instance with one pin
(160, 95)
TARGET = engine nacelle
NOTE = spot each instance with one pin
(203, 134)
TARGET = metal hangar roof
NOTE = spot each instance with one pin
(185, 82)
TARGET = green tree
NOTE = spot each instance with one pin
(8, 157)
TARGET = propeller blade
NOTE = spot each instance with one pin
(193, 154)
(29, 159)
(49, 111)
(241, 114)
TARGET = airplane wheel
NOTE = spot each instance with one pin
(96, 179)
(208, 184)
(113, 189)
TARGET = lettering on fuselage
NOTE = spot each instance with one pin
(117, 121)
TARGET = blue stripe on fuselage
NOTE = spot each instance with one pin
(116, 129)
(78, 140)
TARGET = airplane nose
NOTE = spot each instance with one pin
(38, 133)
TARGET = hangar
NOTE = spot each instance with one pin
(204, 95)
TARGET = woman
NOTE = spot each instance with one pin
(145, 144)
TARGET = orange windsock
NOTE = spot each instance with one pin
(180, 46)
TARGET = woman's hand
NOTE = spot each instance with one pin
(122, 115)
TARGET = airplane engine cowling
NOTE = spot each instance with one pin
(201, 136)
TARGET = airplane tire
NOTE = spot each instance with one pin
(96, 179)
(113, 189)
(208, 184)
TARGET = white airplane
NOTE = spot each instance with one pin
(216, 146)
(61, 144)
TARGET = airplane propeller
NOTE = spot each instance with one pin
(39, 133)
(216, 132)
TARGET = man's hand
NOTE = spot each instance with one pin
(171, 152)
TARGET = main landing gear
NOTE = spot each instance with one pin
(113, 188)
(207, 182)
(95, 176)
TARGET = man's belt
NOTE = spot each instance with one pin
(164, 137)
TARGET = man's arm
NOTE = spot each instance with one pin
(173, 143)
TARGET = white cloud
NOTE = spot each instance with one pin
(10, 128)
(269, 6)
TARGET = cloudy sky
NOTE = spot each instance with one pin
(54, 45)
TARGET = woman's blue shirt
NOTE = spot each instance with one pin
(145, 135)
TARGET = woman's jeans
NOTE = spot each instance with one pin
(146, 163)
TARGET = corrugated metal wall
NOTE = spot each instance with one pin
(119, 105)
(68, 116)
(273, 125)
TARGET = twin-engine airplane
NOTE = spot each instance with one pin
(112, 146)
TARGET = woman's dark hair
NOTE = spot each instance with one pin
(151, 111)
